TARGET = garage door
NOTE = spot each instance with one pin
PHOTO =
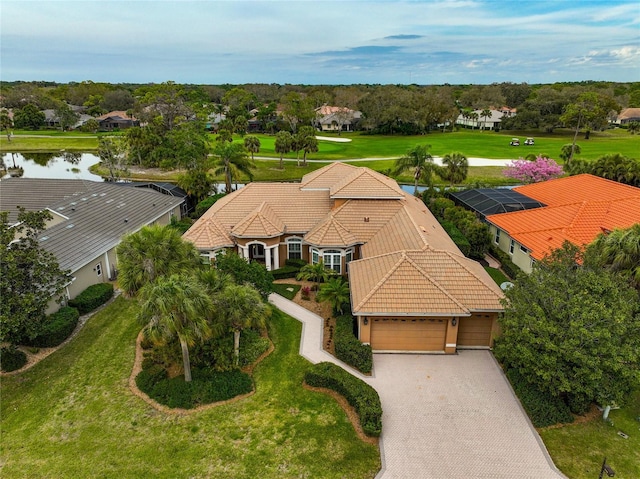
(408, 334)
(475, 331)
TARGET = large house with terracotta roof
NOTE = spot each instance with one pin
(411, 287)
(578, 208)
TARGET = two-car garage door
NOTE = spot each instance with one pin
(411, 334)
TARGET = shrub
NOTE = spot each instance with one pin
(362, 397)
(205, 204)
(285, 272)
(458, 238)
(252, 345)
(11, 359)
(510, 269)
(305, 293)
(349, 349)
(542, 408)
(298, 263)
(207, 386)
(92, 297)
(56, 328)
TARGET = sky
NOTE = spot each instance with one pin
(320, 42)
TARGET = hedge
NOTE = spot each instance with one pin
(92, 297)
(507, 265)
(458, 238)
(206, 387)
(362, 397)
(56, 328)
(349, 349)
(207, 203)
(285, 272)
(11, 359)
(297, 263)
(542, 408)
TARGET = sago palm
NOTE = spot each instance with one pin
(336, 291)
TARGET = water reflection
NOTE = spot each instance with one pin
(63, 164)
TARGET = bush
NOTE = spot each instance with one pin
(207, 203)
(92, 297)
(510, 269)
(207, 386)
(362, 397)
(349, 349)
(11, 359)
(285, 272)
(458, 238)
(252, 346)
(542, 408)
(298, 263)
(56, 328)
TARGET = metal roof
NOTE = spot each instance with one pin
(95, 215)
(490, 201)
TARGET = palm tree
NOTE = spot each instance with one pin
(336, 291)
(567, 151)
(153, 252)
(283, 144)
(486, 113)
(420, 161)
(473, 116)
(232, 160)
(224, 136)
(634, 127)
(306, 141)
(315, 272)
(456, 167)
(239, 307)
(177, 305)
(618, 251)
(252, 144)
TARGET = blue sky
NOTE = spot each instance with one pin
(320, 42)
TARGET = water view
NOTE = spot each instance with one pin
(65, 165)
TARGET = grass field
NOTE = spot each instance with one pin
(578, 449)
(482, 144)
(73, 415)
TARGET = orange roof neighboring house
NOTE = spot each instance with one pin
(116, 114)
(578, 209)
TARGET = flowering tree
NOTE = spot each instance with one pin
(541, 169)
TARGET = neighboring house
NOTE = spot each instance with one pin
(115, 120)
(89, 220)
(627, 116)
(578, 208)
(490, 201)
(491, 122)
(336, 118)
(51, 119)
(411, 287)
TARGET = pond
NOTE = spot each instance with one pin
(64, 165)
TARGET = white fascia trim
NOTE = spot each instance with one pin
(57, 213)
(414, 315)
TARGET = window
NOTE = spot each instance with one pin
(512, 245)
(294, 248)
(315, 256)
(524, 250)
(497, 238)
(348, 257)
(98, 269)
(333, 260)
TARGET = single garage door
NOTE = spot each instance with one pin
(408, 334)
(475, 331)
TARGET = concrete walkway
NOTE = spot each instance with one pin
(453, 416)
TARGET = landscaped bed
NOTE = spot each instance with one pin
(73, 415)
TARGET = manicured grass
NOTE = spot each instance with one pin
(73, 415)
(578, 449)
(283, 289)
(497, 275)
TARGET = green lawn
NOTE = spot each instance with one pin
(283, 289)
(73, 415)
(498, 276)
(473, 143)
(578, 450)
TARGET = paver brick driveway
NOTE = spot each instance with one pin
(454, 417)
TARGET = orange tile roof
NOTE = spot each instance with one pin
(571, 189)
(579, 208)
